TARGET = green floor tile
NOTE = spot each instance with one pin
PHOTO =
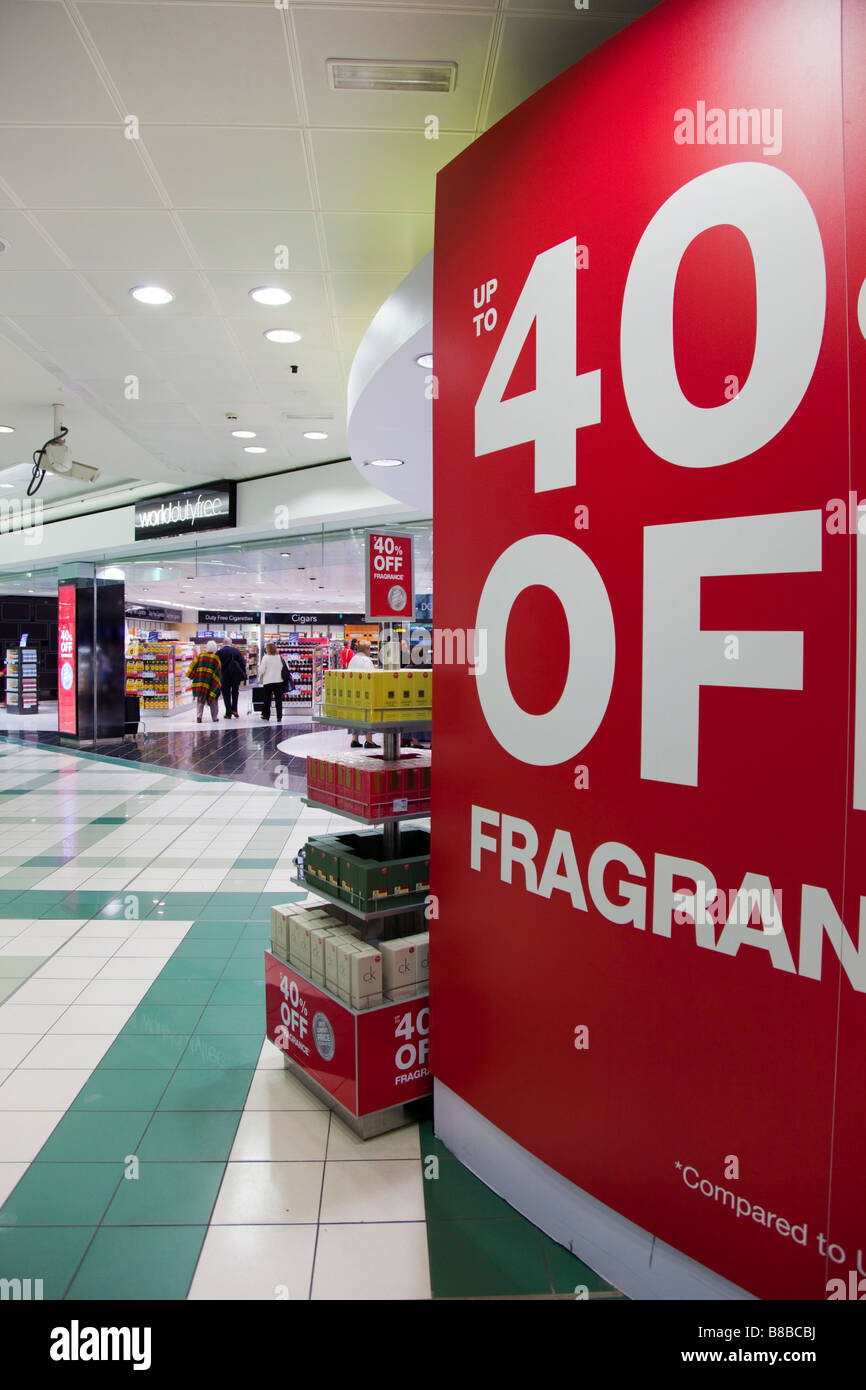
(207, 1088)
(139, 1262)
(138, 1050)
(256, 863)
(226, 1018)
(61, 1194)
(204, 946)
(39, 860)
(567, 1272)
(83, 903)
(50, 1254)
(192, 968)
(163, 1018)
(246, 967)
(214, 931)
(195, 992)
(9, 984)
(478, 1259)
(220, 1050)
(238, 992)
(430, 1144)
(106, 1136)
(167, 1194)
(19, 967)
(457, 1195)
(180, 907)
(189, 1135)
(249, 946)
(111, 1088)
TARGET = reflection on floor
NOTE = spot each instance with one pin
(134, 914)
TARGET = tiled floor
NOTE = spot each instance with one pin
(151, 1143)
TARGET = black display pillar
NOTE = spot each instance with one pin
(91, 658)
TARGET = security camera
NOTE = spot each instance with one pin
(55, 456)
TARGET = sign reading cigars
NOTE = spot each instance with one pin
(649, 442)
(390, 575)
(209, 508)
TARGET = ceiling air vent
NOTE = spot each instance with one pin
(390, 75)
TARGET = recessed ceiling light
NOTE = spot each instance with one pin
(244, 434)
(283, 335)
(255, 449)
(7, 484)
(314, 434)
(284, 554)
(151, 294)
(270, 294)
(425, 360)
(385, 463)
(390, 75)
(7, 429)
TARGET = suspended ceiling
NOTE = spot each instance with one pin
(242, 148)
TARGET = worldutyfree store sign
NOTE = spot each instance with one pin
(649, 968)
(182, 513)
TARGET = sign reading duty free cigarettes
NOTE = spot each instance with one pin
(390, 575)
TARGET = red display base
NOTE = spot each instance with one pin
(367, 1061)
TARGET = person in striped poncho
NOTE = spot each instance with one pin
(206, 675)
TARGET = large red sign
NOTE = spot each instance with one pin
(67, 656)
(390, 576)
(367, 1061)
(650, 796)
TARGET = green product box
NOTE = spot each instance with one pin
(368, 881)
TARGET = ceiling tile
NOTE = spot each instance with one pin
(623, 11)
(87, 347)
(532, 53)
(74, 167)
(189, 287)
(412, 35)
(233, 293)
(385, 171)
(178, 333)
(26, 249)
(179, 63)
(358, 294)
(47, 75)
(377, 241)
(112, 240)
(24, 292)
(349, 335)
(253, 241)
(230, 167)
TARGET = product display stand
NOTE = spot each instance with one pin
(384, 1049)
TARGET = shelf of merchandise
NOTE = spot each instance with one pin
(157, 680)
(22, 680)
(375, 1069)
(299, 656)
(409, 726)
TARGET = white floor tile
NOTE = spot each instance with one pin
(266, 1193)
(20, 1142)
(373, 1190)
(343, 1143)
(274, 1089)
(377, 1261)
(36, 946)
(40, 991)
(131, 968)
(15, 1046)
(41, 1090)
(89, 946)
(114, 992)
(63, 1050)
(94, 1018)
(275, 1135)
(255, 1262)
(69, 968)
(117, 929)
(10, 1174)
(28, 1018)
(270, 1058)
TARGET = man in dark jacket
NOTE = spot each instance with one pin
(234, 669)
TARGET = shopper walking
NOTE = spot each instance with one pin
(205, 672)
(234, 670)
(362, 661)
(271, 677)
(347, 653)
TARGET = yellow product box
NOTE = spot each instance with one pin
(423, 688)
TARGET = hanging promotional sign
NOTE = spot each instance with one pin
(67, 655)
(390, 575)
(650, 801)
(245, 619)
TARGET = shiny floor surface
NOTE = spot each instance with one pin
(151, 1143)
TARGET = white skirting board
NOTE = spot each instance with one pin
(628, 1257)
